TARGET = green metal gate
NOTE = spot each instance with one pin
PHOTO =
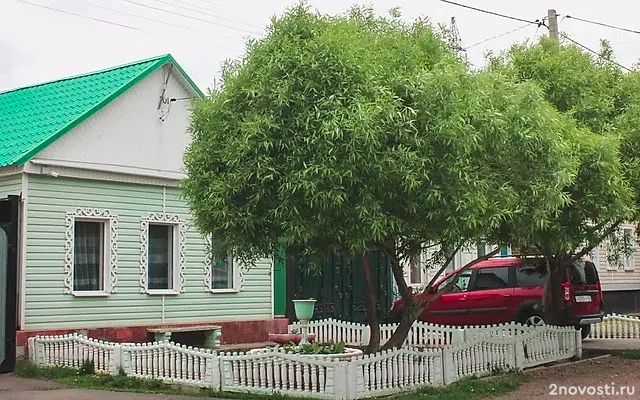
(339, 288)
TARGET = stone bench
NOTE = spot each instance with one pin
(212, 333)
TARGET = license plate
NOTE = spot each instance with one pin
(583, 299)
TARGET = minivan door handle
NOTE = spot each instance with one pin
(506, 295)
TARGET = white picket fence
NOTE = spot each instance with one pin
(356, 334)
(170, 363)
(422, 334)
(615, 326)
(276, 371)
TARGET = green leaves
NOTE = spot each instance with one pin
(339, 133)
(598, 97)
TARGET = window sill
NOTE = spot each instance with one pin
(90, 294)
(160, 292)
(629, 270)
(221, 291)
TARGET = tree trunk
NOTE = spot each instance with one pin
(372, 313)
(553, 299)
(396, 340)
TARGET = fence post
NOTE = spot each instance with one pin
(38, 351)
(340, 380)
(459, 336)
(518, 348)
(366, 335)
(448, 367)
(125, 360)
(438, 369)
(213, 371)
(31, 350)
(578, 336)
(116, 359)
(353, 380)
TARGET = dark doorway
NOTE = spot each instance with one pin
(9, 221)
(339, 288)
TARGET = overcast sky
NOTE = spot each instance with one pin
(42, 40)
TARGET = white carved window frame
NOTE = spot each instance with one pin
(238, 272)
(110, 256)
(179, 252)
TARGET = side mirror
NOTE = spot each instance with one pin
(432, 290)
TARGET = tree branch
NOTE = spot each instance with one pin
(592, 245)
(453, 282)
(442, 268)
(398, 275)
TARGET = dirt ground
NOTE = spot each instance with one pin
(584, 380)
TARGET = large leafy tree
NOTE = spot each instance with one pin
(354, 133)
(589, 90)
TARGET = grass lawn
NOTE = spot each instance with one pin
(467, 389)
(628, 354)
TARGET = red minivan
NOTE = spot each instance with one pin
(505, 289)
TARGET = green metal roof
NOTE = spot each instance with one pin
(33, 117)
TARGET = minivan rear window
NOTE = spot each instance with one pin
(584, 273)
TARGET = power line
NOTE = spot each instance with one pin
(594, 52)
(497, 36)
(225, 16)
(81, 16)
(190, 17)
(155, 20)
(603, 24)
(536, 22)
(128, 26)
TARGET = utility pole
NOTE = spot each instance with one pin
(552, 16)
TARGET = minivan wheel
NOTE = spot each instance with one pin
(534, 320)
(585, 330)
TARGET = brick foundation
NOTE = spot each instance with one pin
(233, 332)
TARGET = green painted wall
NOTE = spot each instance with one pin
(11, 184)
(47, 306)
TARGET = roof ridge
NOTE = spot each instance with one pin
(156, 58)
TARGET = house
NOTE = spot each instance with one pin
(95, 235)
(619, 276)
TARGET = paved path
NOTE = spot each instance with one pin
(15, 388)
(611, 344)
(602, 378)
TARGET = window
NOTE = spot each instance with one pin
(533, 273)
(161, 257)
(223, 275)
(492, 278)
(594, 255)
(90, 258)
(629, 259)
(416, 273)
(461, 286)
(162, 254)
(584, 273)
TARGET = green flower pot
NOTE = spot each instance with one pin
(304, 308)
